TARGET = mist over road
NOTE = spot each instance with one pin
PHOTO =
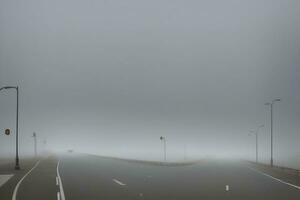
(172, 80)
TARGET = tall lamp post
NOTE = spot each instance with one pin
(256, 141)
(271, 106)
(184, 153)
(17, 165)
(165, 147)
(35, 145)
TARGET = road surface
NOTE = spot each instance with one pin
(85, 177)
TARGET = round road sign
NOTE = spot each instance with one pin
(7, 131)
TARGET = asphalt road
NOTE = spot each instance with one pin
(84, 177)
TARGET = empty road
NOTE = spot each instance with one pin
(86, 177)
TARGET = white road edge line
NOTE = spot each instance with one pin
(119, 182)
(57, 181)
(62, 194)
(14, 197)
(279, 180)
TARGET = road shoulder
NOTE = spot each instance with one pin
(287, 175)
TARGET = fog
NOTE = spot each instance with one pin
(110, 77)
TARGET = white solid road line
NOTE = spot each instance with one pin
(4, 178)
(62, 194)
(14, 197)
(281, 181)
(119, 182)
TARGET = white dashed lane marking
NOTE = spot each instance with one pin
(227, 187)
(61, 193)
(58, 196)
(119, 182)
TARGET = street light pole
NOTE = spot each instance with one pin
(184, 152)
(256, 147)
(17, 165)
(271, 106)
(35, 145)
(256, 142)
(165, 147)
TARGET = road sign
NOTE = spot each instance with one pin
(7, 131)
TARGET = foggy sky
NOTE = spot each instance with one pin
(110, 77)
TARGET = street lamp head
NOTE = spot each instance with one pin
(267, 104)
(161, 137)
(276, 100)
(7, 87)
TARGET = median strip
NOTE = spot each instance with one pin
(4, 178)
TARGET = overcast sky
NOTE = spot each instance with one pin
(110, 77)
